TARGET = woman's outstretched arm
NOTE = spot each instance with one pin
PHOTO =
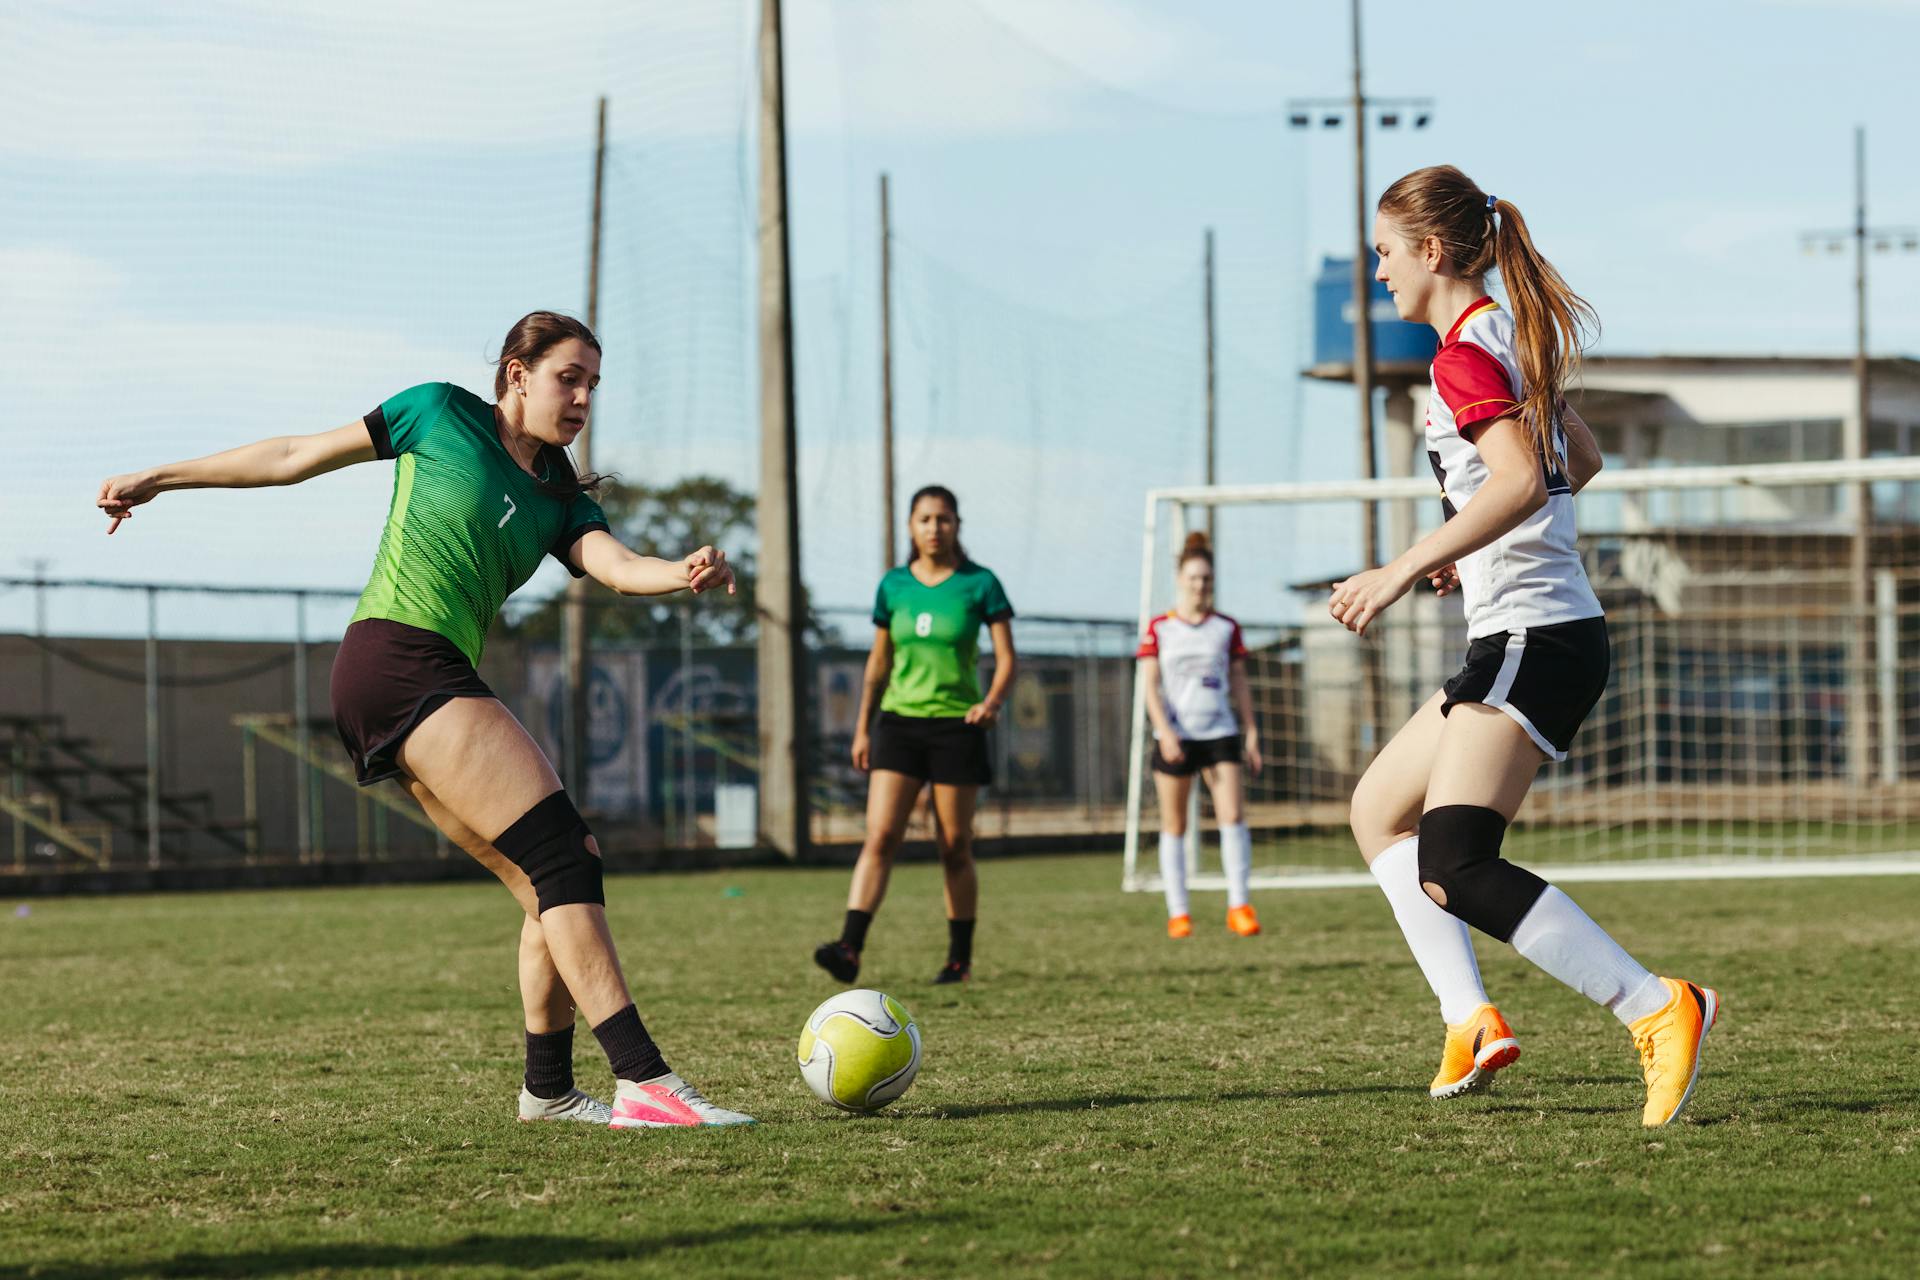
(279, 461)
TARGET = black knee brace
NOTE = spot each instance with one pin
(1460, 855)
(549, 843)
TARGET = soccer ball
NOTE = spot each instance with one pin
(860, 1050)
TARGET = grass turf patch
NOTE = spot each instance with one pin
(321, 1082)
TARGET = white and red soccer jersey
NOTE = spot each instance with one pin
(1195, 658)
(1531, 576)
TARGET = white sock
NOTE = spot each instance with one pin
(1562, 940)
(1236, 855)
(1441, 944)
(1173, 872)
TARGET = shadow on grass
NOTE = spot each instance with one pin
(1109, 1101)
(519, 1252)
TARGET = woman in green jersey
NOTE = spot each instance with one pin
(932, 726)
(482, 494)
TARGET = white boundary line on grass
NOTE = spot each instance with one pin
(1890, 864)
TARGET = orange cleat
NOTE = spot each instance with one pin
(1476, 1048)
(1669, 1043)
(1179, 926)
(1243, 921)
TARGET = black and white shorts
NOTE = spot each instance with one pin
(1547, 678)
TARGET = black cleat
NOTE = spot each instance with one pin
(838, 959)
(953, 971)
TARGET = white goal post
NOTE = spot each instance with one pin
(1762, 715)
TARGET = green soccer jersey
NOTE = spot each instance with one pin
(936, 637)
(467, 526)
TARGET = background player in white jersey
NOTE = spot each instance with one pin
(1196, 672)
(1432, 809)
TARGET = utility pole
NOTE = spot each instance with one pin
(1212, 403)
(886, 381)
(1857, 444)
(1333, 112)
(781, 601)
(1363, 295)
(579, 653)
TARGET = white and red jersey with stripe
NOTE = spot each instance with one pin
(1531, 576)
(1195, 661)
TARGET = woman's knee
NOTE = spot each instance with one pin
(956, 852)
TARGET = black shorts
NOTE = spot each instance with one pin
(1200, 753)
(1546, 678)
(942, 749)
(387, 678)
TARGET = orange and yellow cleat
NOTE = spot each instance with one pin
(1669, 1042)
(1476, 1048)
(1179, 926)
(1243, 921)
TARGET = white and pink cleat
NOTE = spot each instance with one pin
(574, 1105)
(667, 1102)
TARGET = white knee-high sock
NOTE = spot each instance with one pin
(1562, 940)
(1173, 872)
(1441, 944)
(1236, 855)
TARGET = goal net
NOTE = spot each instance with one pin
(1762, 716)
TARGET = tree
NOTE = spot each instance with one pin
(669, 522)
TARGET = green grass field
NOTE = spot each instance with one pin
(307, 1083)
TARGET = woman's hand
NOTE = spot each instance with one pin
(982, 713)
(1250, 753)
(119, 495)
(862, 750)
(1360, 599)
(1445, 580)
(708, 568)
(1170, 749)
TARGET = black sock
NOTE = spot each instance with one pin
(630, 1050)
(854, 931)
(550, 1063)
(960, 942)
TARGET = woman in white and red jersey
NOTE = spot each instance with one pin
(1432, 809)
(1196, 675)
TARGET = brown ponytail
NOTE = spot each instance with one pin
(1198, 547)
(1479, 233)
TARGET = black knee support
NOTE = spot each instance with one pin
(1460, 855)
(549, 843)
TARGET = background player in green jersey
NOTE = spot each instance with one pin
(482, 493)
(932, 726)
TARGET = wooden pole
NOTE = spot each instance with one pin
(579, 661)
(780, 604)
(886, 381)
(1212, 402)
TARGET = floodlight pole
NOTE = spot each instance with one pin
(1363, 294)
(1856, 444)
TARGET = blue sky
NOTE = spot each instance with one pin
(223, 220)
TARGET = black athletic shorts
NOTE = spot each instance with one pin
(1200, 753)
(387, 678)
(942, 749)
(1546, 678)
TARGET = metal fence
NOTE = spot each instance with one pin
(163, 726)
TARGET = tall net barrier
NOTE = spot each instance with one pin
(1762, 715)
